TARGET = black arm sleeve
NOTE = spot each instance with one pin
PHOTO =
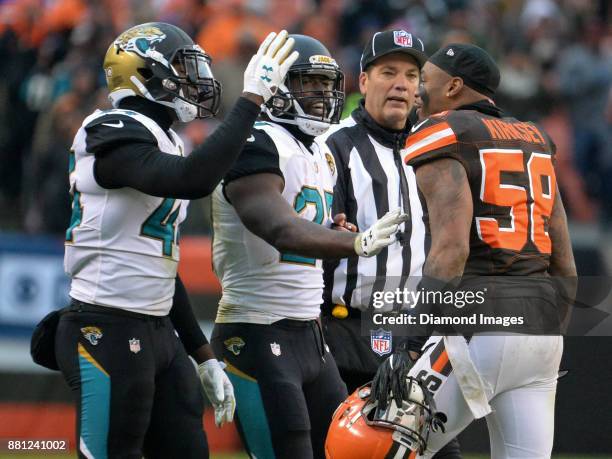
(142, 166)
(184, 321)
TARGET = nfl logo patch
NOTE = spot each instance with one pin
(402, 38)
(276, 350)
(135, 345)
(381, 341)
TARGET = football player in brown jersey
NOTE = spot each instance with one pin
(494, 209)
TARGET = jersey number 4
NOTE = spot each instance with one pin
(530, 208)
(161, 225)
(310, 196)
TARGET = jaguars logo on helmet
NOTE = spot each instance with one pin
(287, 105)
(140, 39)
(160, 62)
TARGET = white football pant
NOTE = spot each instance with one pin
(520, 376)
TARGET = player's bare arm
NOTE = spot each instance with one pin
(268, 215)
(446, 190)
(562, 264)
(562, 257)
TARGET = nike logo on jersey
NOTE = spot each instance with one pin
(251, 139)
(417, 126)
(118, 125)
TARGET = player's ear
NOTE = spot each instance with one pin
(454, 87)
(363, 83)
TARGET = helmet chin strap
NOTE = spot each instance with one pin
(185, 112)
(306, 125)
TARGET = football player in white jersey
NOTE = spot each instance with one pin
(271, 217)
(130, 179)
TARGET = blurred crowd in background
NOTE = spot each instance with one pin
(555, 58)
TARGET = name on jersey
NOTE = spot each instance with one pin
(504, 130)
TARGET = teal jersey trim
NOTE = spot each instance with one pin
(95, 408)
(252, 414)
(76, 216)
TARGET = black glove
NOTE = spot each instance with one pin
(413, 343)
(390, 379)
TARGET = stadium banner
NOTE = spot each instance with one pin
(33, 282)
(32, 279)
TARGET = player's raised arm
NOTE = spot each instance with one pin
(127, 160)
(268, 215)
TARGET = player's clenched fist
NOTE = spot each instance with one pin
(380, 234)
(268, 68)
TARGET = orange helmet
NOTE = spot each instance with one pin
(361, 431)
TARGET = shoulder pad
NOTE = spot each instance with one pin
(258, 155)
(430, 134)
(260, 141)
(109, 129)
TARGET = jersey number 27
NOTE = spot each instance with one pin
(310, 196)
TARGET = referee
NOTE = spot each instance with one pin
(371, 180)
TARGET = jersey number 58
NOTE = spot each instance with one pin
(530, 207)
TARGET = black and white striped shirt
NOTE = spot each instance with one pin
(370, 176)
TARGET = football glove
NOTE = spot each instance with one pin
(268, 68)
(219, 390)
(390, 380)
(380, 234)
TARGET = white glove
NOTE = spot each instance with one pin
(380, 234)
(268, 68)
(218, 389)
